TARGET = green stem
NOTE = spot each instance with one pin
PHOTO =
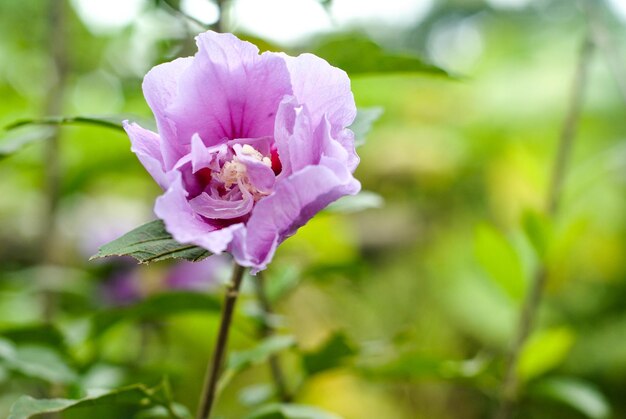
(213, 371)
(509, 389)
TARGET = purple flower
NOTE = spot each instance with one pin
(250, 147)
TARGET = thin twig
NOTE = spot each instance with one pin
(532, 301)
(265, 331)
(213, 370)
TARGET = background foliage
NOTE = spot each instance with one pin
(404, 310)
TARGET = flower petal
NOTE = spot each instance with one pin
(221, 209)
(323, 88)
(182, 222)
(295, 200)
(145, 144)
(160, 87)
(229, 91)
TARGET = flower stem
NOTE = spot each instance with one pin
(509, 388)
(213, 369)
(266, 330)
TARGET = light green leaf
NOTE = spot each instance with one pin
(500, 261)
(365, 118)
(291, 411)
(331, 354)
(151, 243)
(359, 202)
(156, 306)
(578, 394)
(26, 406)
(13, 141)
(241, 360)
(37, 362)
(545, 351)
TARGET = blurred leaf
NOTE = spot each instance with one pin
(355, 203)
(158, 412)
(357, 54)
(362, 125)
(330, 354)
(578, 394)
(416, 365)
(241, 360)
(156, 306)
(500, 260)
(291, 411)
(544, 351)
(41, 334)
(151, 243)
(26, 406)
(256, 394)
(282, 282)
(36, 362)
(13, 141)
(537, 229)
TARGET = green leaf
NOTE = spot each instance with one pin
(355, 203)
(37, 362)
(357, 54)
(331, 354)
(500, 260)
(538, 230)
(544, 351)
(578, 394)
(156, 306)
(151, 243)
(241, 360)
(365, 118)
(40, 334)
(13, 141)
(26, 406)
(291, 411)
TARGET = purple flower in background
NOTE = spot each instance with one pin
(249, 147)
(199, 276)
(122, 288)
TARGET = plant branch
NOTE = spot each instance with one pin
(266, 330)
(533, 298)
(213, 370)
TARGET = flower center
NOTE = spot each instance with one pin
(235, 171)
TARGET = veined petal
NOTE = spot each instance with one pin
(160, 87)
(185, 225)
(146, 145)
(323, 88)
(221, 209)
(230, 91)
(295, 201)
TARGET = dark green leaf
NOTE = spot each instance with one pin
(114, 122)
(331, 354)
(13, 141)
(40, 334)
(365, 118)
(291, 411)
(151, 243)
(156, 306)
(357, 54)
(355, 203)
(578, 394)
(26, 406)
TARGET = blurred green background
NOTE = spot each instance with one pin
(400, 310)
